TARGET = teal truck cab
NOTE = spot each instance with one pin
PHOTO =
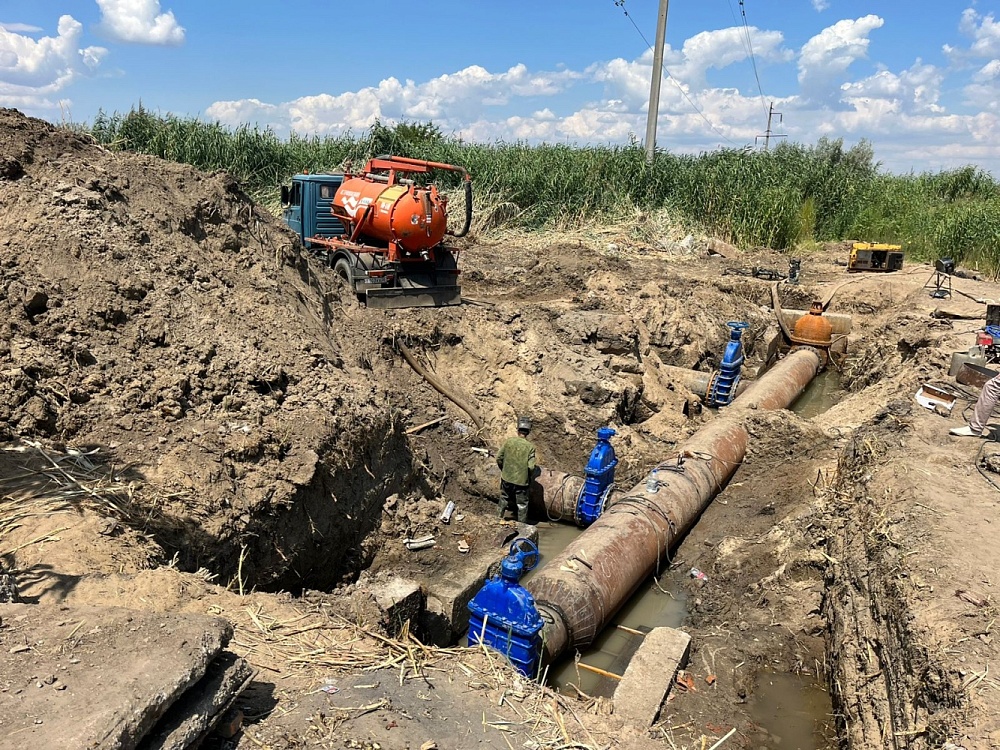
(381, 232)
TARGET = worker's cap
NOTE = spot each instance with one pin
(524, 424)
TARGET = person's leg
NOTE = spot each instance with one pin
(506, 497)
(984, 405)
(521, 496)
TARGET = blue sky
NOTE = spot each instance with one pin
(920, 81)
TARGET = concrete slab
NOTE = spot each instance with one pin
(92, 677)
(192, 717)
(647, 680)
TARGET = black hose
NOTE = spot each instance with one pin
(468, 209)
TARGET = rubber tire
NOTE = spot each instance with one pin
(345, 271)
(446, 260)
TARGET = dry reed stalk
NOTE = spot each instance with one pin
(42, 482)
(312, 644)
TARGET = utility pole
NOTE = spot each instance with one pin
(654, 85)
(768, 135)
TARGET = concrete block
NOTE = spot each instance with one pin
(647, 680)
(446, 612)
(202, 706)
(401, 600)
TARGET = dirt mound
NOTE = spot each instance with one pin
(154, 311)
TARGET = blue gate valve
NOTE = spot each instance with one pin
(723, 386)
(599, 481)
(503, 615)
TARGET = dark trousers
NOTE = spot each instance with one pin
(514, 497)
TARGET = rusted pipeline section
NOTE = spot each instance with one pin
(557, 493)
(580, 590)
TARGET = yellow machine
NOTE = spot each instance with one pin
(871, 256)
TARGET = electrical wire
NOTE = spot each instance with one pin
(665, 72)
(747, 43)
(753, 57)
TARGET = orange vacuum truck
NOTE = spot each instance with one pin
(382, 230)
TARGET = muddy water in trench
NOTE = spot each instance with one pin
(823, 392)
(794, 710)
(650, 607)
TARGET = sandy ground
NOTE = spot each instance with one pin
(250, 429)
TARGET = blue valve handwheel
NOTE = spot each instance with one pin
(526, 550)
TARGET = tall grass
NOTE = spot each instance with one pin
(792, 194)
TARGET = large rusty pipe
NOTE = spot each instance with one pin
(580, 590)
(557, 492)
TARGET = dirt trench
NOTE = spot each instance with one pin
(883, 676)
(266, 435)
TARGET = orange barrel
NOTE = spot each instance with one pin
(412, 217)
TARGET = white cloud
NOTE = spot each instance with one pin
(984, 90)
(32, 70)
(825, 59)
(820, 5)
(985, 34)
(914, 90)
(450, 100)
(139, 21)
(20, 28)
(688, 67)
(899, 110)
(724, 47)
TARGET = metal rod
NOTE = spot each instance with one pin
(580, 590)
(598, 670)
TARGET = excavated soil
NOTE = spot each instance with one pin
(263, 433)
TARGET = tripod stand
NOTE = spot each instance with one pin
(941, 284)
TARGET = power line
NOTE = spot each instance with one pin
(665, 72)
(736, 22)
(753, 57)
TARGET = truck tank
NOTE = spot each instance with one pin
(414, 218)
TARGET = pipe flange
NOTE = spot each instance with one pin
(822, 352)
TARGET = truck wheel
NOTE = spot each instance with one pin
(343, 269)
(446, 260)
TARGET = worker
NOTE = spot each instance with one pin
(516, 460)
(982, 411)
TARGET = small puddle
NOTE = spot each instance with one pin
(822, 392)
(553, 538)
(794, 711)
